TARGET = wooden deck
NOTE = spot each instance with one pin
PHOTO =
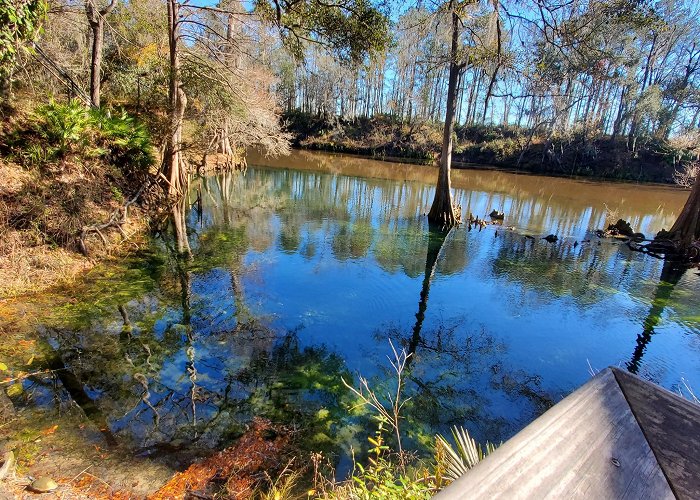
(618, 436)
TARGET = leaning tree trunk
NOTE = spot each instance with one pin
(174, 167)
(442, 211)
(686, 229)
(96, 19)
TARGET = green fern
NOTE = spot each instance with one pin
(127, 142)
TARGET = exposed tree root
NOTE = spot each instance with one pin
(666, 248)
(117, 219)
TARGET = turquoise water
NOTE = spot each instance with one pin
(259, 298)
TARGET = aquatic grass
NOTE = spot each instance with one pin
(105, 288)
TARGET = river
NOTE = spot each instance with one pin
(303, 272)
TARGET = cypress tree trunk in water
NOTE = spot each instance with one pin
(686, 229)
(442, 212)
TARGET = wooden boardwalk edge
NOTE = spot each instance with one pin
(617, 436)
(671, 426)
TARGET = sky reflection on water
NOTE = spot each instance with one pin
(288, 279)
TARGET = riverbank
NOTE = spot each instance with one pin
(68, 175)
(507, 148)
(30, 259)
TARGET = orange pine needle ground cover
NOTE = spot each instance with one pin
(238, 468)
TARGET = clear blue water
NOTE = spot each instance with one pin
(288, 279)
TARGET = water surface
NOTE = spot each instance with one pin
(280, 282)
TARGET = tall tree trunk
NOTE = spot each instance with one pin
(494, 75)
(686, 229)
(617, 124)
(442, 212)
(96, 20)
(174, 167)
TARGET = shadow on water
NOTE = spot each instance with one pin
(75, 389)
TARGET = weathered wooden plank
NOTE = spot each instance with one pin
(587, 446)
(671, 426)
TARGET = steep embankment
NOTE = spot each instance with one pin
(505, 147)
(65, 172)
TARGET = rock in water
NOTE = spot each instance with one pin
(495, 214)
(43, 485)
(551, 238)
(621, 227)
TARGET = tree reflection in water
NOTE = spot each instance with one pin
(445, 370)
(671, 273)
(266, 288)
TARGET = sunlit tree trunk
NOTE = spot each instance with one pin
(442, 212)
(686, 229)
(497, 66)
(96, 20)
(174, 167)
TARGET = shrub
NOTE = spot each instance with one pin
(94, 133)
(501, 149)
(64, 127)
(126, 141)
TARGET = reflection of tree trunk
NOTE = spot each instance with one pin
(670, 275)
(182, 261)
(180, 226)
(242, 313)
(127, 328)
(76, 391)
(436, 241)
